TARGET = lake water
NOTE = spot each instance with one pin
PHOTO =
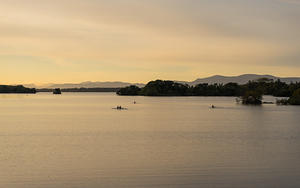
(76, 140)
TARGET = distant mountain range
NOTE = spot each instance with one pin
(242, 79)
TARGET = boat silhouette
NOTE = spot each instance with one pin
(120, 108)
(57, 91)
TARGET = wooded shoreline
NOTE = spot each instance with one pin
(250, 93)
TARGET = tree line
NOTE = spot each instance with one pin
(250, 92)
(16, 89)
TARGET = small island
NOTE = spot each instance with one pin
(16, 89)
(249, 93)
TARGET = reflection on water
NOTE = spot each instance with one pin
(77, 140)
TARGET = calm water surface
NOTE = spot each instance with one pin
(77, 140)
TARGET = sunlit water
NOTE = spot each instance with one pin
(76, 140)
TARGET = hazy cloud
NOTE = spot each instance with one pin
(113, 38)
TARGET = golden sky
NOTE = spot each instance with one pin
(43, 41)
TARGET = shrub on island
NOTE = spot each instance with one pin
(252, 97)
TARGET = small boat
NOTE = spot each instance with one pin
(57, 91)
(120, 108)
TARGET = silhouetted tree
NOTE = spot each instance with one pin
(130, 90)
(252, 97)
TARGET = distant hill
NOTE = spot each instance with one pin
(89, 85)
(242, 79)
